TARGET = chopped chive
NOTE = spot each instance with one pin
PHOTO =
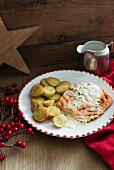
(75, 97)
(81, 93)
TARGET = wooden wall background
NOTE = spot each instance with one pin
(63, 24)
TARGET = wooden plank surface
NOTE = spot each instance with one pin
(44, 152)
(55, 53)
(58, 20)
(63, 26)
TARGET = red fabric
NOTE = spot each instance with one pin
(103, 141)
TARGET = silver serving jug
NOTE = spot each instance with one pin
(96, 56)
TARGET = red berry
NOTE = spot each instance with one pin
(14, 101)
(3, 125)
(1, 138)
(10, 101)
(14, 111)
(1, 130)
(12, 124)
(15, 129)
(11, 129)
(32, 133)
(2, 100)
(18, 143)
(6, 136)
(1, 144)
(16, 90)
(2, 156)
(9, 88)
(16, 119)
(16, 124)
(29, 130)
(6, 98)
(11, 98)
(23, 145)
(8, 126)
(9, 133)
(21, 126)
(12, 91)
(14, 84)
(20, 113)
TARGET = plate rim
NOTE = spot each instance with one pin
(58, 135)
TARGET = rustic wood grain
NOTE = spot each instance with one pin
(55, 53)
(44, 152)
(61, 20)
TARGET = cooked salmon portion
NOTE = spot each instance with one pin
(85, 101)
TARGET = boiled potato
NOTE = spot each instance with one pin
(34, 106)
(66, 82)
(36, 90)
(61, 88)
(36, 102)
(48, 103)
(55, 97)
(60, 120)
(53, 81)
(53, 111)
(44, 82)
(49, 91)
(40, 114)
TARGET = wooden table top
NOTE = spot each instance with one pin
(44, 152)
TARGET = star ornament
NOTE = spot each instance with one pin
(9, 41)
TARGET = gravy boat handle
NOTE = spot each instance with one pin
(110, 45)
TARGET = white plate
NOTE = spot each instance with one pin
(81, 130)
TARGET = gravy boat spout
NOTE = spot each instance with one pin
(79, 49)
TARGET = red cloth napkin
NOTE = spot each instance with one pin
(103, 141)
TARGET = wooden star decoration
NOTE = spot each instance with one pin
(9, 41)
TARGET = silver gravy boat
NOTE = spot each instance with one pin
(96, 56)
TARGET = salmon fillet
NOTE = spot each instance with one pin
(85, 101)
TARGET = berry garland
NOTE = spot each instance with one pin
(10, 113)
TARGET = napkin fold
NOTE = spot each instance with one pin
(103, 141)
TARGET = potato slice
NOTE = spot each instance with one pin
(60, 120)
(36, 102)
(55, 97)
(44, 82)
(66, 82)
(61, 88)
(36, 90)
(49, 91)
(53, 111)
(53, 81)
(40, 114)
(48, 103)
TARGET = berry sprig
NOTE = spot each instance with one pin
(10, 90)
(10, 113)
